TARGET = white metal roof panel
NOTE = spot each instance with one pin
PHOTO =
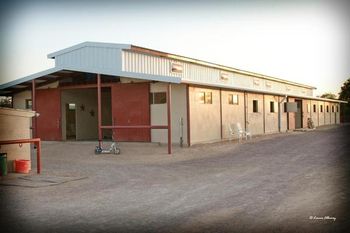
(29, 77)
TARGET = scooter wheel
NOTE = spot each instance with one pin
(116, 151)
(98, 150)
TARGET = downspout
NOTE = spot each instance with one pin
(280, 113)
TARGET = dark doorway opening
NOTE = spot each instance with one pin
(71, 121)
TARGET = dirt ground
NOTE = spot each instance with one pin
(293, 182)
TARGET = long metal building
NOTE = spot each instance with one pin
(152, 96)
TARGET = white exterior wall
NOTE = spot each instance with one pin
(327, 114)
(321, 115)
(178, 110)
(283, 114)
(231, 113)
(255, 120)
(19, 100)
(205, 118)
(271, 118)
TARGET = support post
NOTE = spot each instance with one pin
(245, 110)
(188, 115)
(169, 117)
(38, 157)
(264, 114)
(221, 136)
(34, 109)
(99, 114)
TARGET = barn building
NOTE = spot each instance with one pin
(146, 95)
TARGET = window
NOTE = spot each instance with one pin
(29, 104)
(208, 98)
(327, 108)
(332, 108)
(232, 99)
(321, 108)
(337, 108)
(272, 106)
(205, 97)
(314, 107)
(255, 106)
(157, 98)
(176, 68)
(71, 106)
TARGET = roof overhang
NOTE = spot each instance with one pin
(29, 78)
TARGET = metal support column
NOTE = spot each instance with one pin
(188, 115)
(221, 133)
(34, 128)
(169, 117)
(99, 114)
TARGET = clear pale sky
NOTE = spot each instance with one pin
(301, 41)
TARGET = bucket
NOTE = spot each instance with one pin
(22, 166)
(3, 164)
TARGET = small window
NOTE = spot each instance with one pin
(71, 106)
(337, 108)
(272, 106)
(321, 108)
(327, 108)
(232, 99)
(205, 97)
(29, 104)
(208, 98)
(157, 98)
(332, 108)
(255, 106)
(314, 107)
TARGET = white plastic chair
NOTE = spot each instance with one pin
(237, 130)
(244, 133)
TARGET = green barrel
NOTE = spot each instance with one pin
(3, 164)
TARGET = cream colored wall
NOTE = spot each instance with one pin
(271, 118)
(178, 110)
(19, 100)
(321, 114)
(333, 113)
(338, 114)
(255, 119)
(283, 114)
(315, 115)
(305, 114)
(327, 114)
(205, 118)
(231, 113)
(15, 124)
(86, 125)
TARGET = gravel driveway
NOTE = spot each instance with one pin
(294, 182)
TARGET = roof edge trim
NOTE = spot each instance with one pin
(88, 44)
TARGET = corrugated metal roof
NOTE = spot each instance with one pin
(30, 77)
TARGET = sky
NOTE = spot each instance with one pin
(301, 41)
